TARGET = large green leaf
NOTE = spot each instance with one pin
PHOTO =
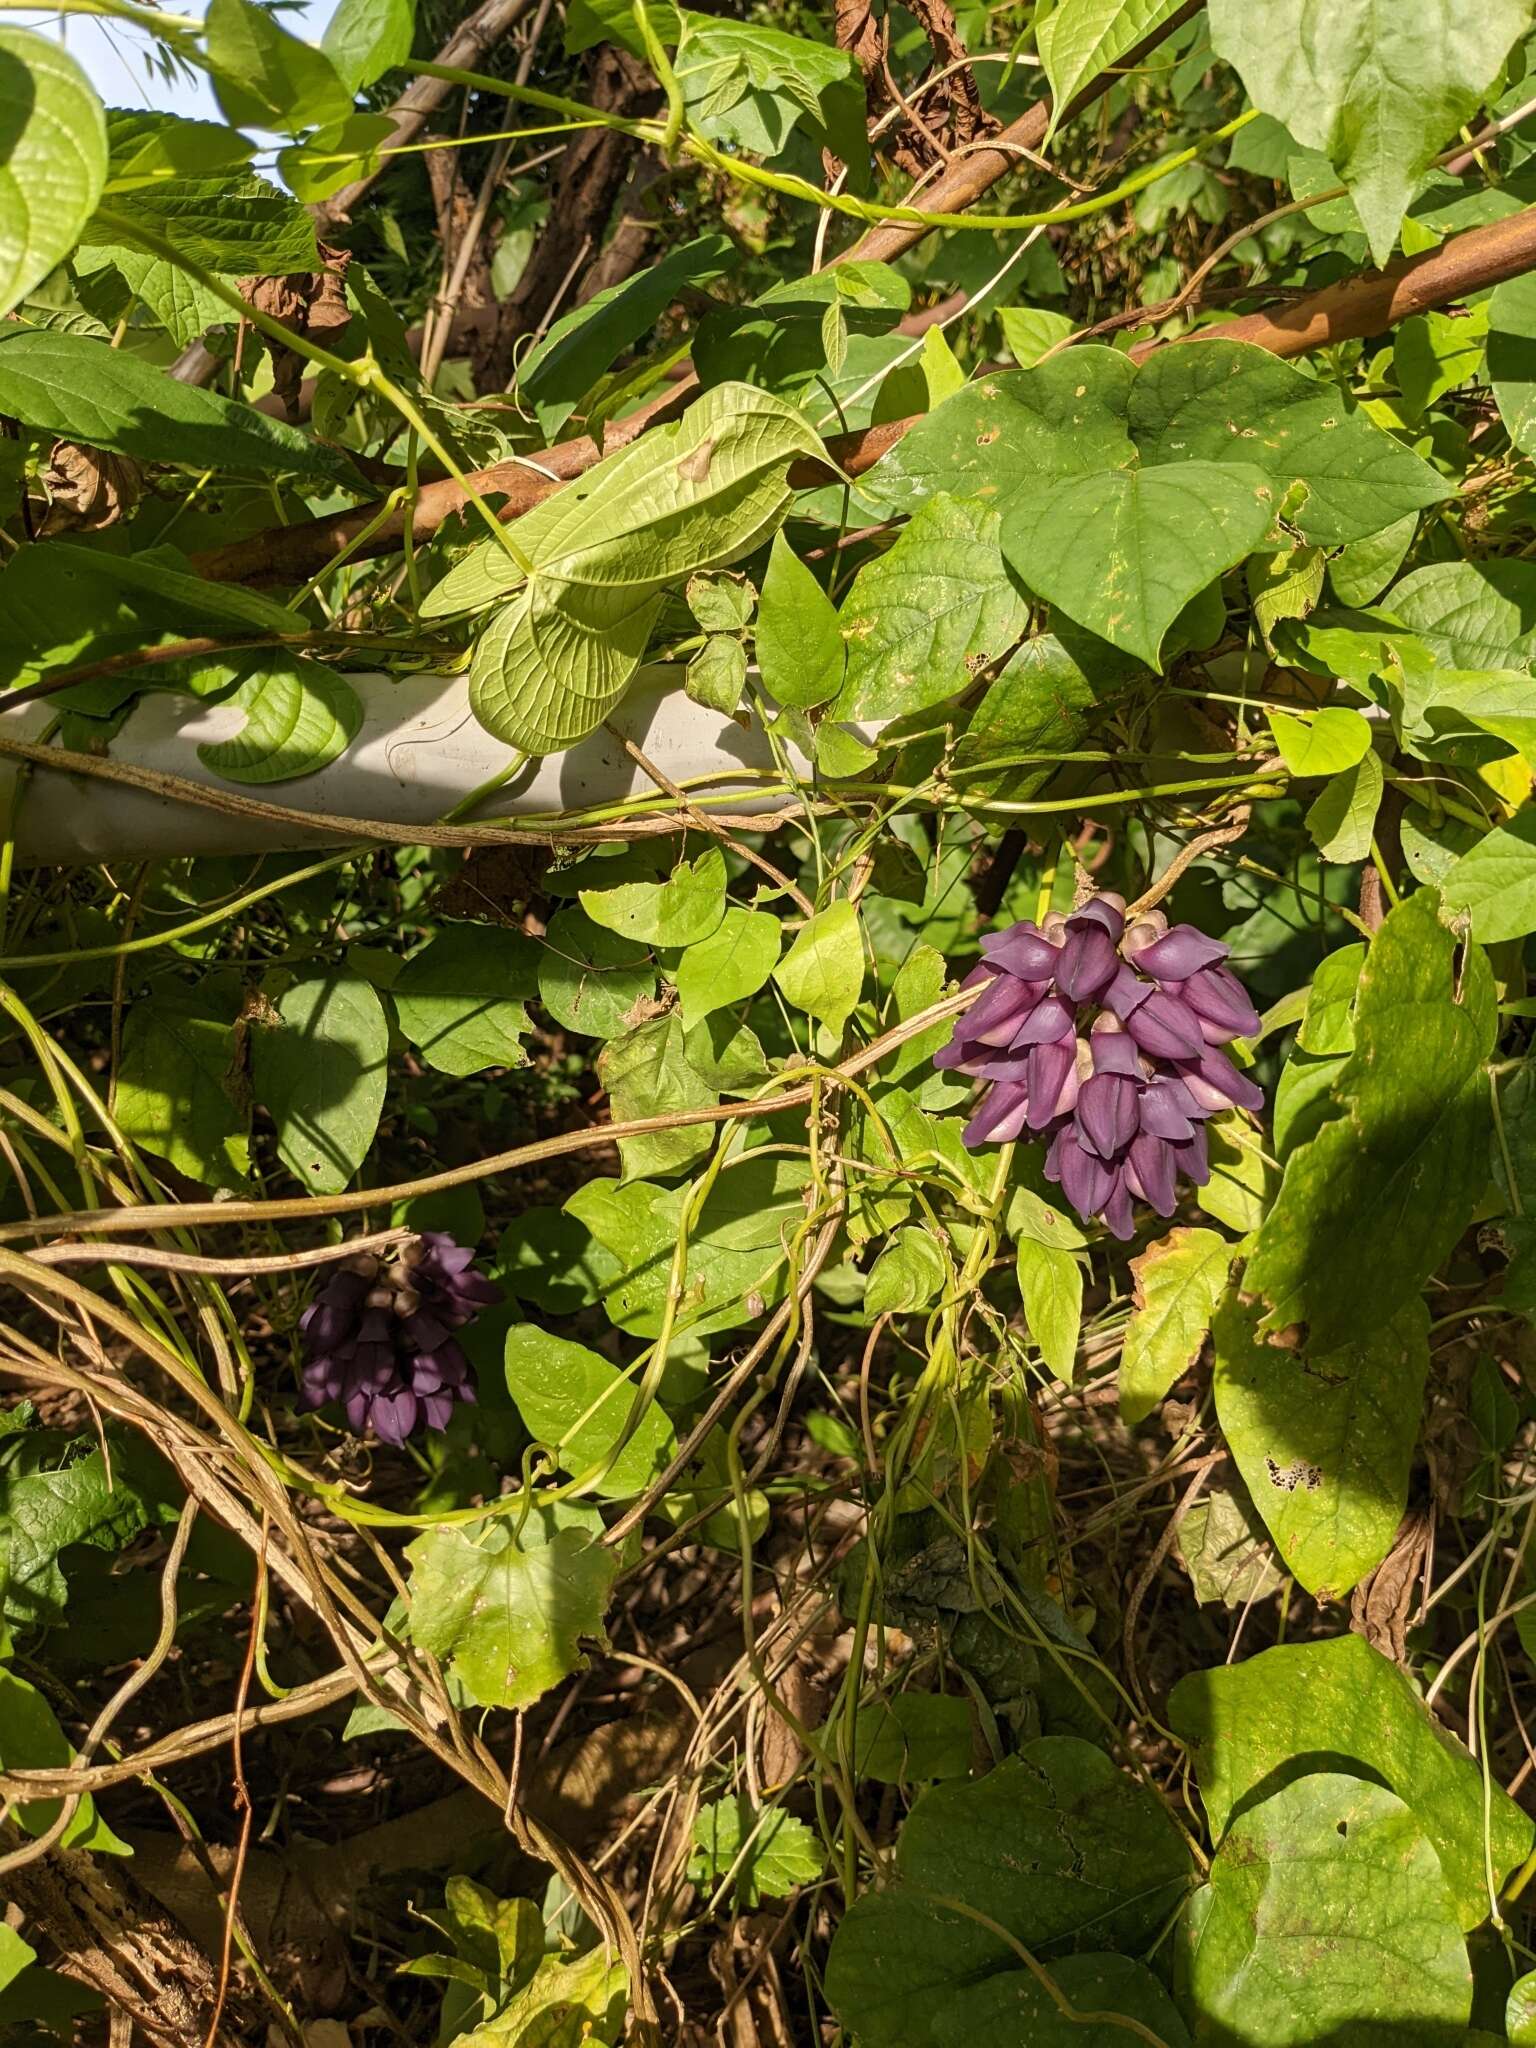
(823, 971)
(1494, 883)
(1123, 551)
(266, 78)
(1329, 1919)
(507, 1603)
(53, 159)
(1324, 1439)
(321, 1072)
(1179, 1281)
(591, 980)
(1372, 1204)
(921, 619)
(551, 666)
(1377, 86)
(1078, 39)
(799, 648)
(175, 1088)
(1015, 2009)
(1231, 402)
(732, 963)
(156, 149)
(366, 38)
(299, 715)
(1259, 1725)
(460, 999)
(1059, 1847)
(108, 398)
(44, 1512)
(110, 276)
(1512, 358)
(750, 86)
(680, 911)
(648, 1073)
(1009, 433)
(234, 222)
(1471, 615)
(577, 1404)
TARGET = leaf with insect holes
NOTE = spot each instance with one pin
(1122, 552)
(507, 1604)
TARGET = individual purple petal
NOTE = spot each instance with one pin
(1117, 1214)
(1179, 954)
(999, 1117)
(1106, 910)
(1126, 994)
(1022, 950)
(1217, 997)
(1088, 961)
(999, 1009)
(1106, 1113)
(1049, 1019)
(1113, 1051)
(1219, 1074)
(1051, 1068)
(394, 1416)
(1167, 1110)
(1193, 1159)
(1162, 1027)
(1152, 1163)
(1084, 1179)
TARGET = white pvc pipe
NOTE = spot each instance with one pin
(418, 753)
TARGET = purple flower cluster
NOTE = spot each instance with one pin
(1105, 1037)
(378, 1336)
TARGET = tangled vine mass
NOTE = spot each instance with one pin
(767, 1128)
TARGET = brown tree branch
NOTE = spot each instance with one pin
(1355, 307)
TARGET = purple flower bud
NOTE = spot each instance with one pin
(999, 1010)
(1113, 1052)
(1052, 1080)
(1178, 954)
(1218, 1083)
(1088, 961)
(1022, 950)
(1163, 1027)
(1106, 909)
(1217, 997)
(1152, 1168)
(1168, 1110)
(1084, 1178)
(1001, 1116)
(1106, 1113)
(1050, 1019)
(1118, 1217)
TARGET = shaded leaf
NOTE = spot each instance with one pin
(460, 999)
(175, 1093)
(577, 1404)
(322, 1074)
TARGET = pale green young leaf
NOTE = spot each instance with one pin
(680, 911)
(1329, 1918)
(1378, 87)
(722, 601)
(731, 964)
(1433, 353)
(266, 78)
(550, 666)
(366, 38)
(1324, 1439)
(460, 999)
(575, 2002)
(648, 1073)
(908, 1274)
(1494, 883)
(769, 1853)
(577, 1405)
(175, 1094)
(716, 676)
(921, 619)
(800, 650)
(321, 1072)
(1078, 39)
(591, 980)
(486, 574)
(53, 159)
(1178, 1282)
(317, 168)
(1520, 2012)
(1028, 331)
(1264, 1722)
(1332, 740)
(1363, 568)
(1342, 817)
(1051, 1285)
(299, 715)
(823, 971)
(1122, 552)
(508, 1604)
(750, 87)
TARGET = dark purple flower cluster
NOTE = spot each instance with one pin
(378, 1336)
(1105, 1037)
